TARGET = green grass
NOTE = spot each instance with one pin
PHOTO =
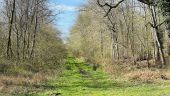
(96, 83)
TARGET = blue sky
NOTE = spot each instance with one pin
(69, 12)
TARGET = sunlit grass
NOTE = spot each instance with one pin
(96, 83)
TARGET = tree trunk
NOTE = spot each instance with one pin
(158, 39)
(9, 45)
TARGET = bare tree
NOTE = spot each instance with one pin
(12, 11)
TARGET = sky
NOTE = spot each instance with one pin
(69, 12)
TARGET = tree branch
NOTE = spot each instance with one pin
(148, 2)
(110, 6)
(153, 26)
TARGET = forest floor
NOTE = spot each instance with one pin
(80, 80)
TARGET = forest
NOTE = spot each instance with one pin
(114, 48)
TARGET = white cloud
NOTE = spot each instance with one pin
(62, 7)
(66, 8)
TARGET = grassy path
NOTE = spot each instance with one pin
(80, 80)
